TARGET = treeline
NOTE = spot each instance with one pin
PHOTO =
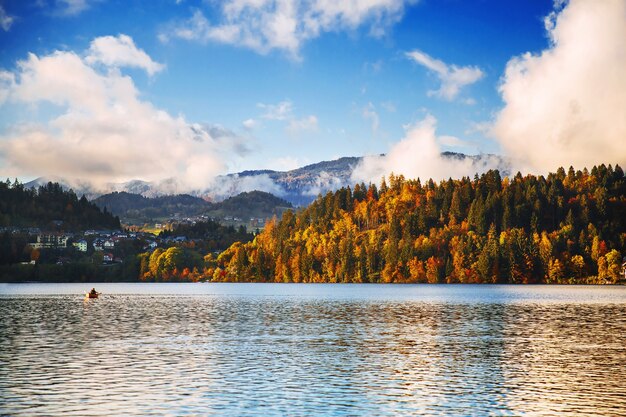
(50, 207)
(568, 227)
(210, 235)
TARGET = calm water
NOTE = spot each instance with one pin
(262, 349)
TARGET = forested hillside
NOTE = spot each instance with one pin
(568, 227)
(135, 206)
(50, 206)
(130, 206)
(249, 204)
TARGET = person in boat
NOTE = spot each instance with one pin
(93, 292)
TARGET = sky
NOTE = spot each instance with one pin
(115, 90)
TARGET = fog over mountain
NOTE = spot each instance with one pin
(298, 186)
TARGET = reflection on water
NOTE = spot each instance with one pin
(341, 350)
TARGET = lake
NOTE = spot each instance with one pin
(318, 349)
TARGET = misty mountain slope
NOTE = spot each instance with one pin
(302, 185)
(297, 186)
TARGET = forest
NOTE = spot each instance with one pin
(50, 207)
(568, 227)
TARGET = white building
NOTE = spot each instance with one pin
(81, 245)
(50, 241)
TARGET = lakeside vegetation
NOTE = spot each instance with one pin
(568, 227)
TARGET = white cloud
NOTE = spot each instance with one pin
(105, 132)
(73, 7)
(369, 113)
(5, 20)
(280, 111)
(283, 111)
(323, 183)
(287, 163)
(308, 123)
(249, 124)
(484, 128)
(265, 25)
(565, 105)
(451, 141)
(229, 185)
(418, 155)
(452, 77)
(121, 51)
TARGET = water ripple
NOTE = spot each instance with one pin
(236, 355)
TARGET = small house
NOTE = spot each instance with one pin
(98, 244)
(81, 245)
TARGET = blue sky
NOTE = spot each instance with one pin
(341, 82)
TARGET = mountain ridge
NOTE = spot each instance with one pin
(246, 205)
(298, 186)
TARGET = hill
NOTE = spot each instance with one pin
(137, 207)
(134, 207)
(563, 228)
(257, 204)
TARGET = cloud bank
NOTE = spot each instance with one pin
(418, 155)
(266, 25)
(101, 130)
(566, 105)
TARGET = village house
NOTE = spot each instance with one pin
(107, 257)
(97, 244)
(108, 244)
(50, 241)
(81, 245)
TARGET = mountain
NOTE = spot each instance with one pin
(134, 207)
(301, 185)
(298, 186)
